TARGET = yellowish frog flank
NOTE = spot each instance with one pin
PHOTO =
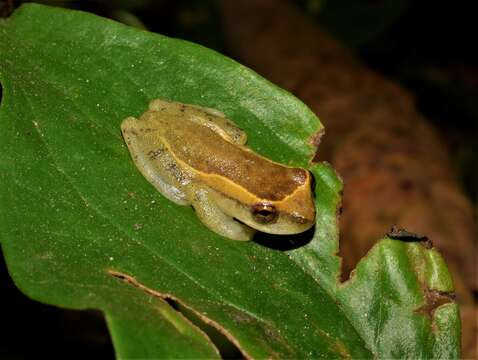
(196, 156)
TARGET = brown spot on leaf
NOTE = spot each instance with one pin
(339, 210)
(315, 142)
(433, 300)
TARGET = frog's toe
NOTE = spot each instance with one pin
(128, 124)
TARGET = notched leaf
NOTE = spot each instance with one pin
(397, 233)
(315, 141)
(270, 337)
(171, 300)
(433, 300)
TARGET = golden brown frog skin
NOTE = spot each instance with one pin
(196, 156)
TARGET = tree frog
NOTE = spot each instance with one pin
(196, 156)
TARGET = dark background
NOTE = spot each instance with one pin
(428, 47)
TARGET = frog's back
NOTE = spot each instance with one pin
(221, 163)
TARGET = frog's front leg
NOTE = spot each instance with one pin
(213, 217)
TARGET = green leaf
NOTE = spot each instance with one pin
(81, 228)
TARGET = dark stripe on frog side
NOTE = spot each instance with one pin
(204, 150)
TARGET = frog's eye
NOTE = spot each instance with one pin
(264, 213)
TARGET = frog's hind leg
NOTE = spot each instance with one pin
(154, 161)
(214, 218)
(211, 118)
(175, 108)
(224, 127)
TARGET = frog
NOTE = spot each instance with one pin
(196, 156)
